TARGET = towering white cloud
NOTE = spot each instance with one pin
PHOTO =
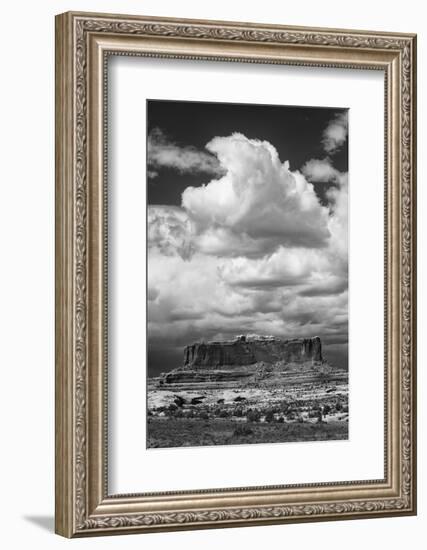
(257, 206)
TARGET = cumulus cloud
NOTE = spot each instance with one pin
(258, 205)
(169, 230)
(151, 174)
(338, 221)
(316, 170)
(198, 299)
(284, 268)
(335, 134)
(164, 153)
(253, 250)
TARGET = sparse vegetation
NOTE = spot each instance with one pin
(269, 416)
(248, 415)
(253, 415)
(192, 432)
(238, 412)
(242, 430)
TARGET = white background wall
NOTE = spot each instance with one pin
(27, 273)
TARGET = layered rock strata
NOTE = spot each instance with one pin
(250, 360)
(247, 350)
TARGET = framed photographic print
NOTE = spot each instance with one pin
(235, 274)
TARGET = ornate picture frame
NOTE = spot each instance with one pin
(84, 42)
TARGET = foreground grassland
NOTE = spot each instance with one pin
(193, 432)
(315, 409)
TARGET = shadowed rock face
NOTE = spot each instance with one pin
(201, 376)
(247, 350)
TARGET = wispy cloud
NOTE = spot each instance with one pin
(162, 152)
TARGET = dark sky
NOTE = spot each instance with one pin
(297, 134)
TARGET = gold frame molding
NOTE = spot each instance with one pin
(83, 43)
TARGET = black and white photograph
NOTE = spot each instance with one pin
(247, 274)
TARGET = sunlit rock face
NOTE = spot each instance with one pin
(247, 350)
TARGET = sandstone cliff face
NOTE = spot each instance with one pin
(247, 350)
